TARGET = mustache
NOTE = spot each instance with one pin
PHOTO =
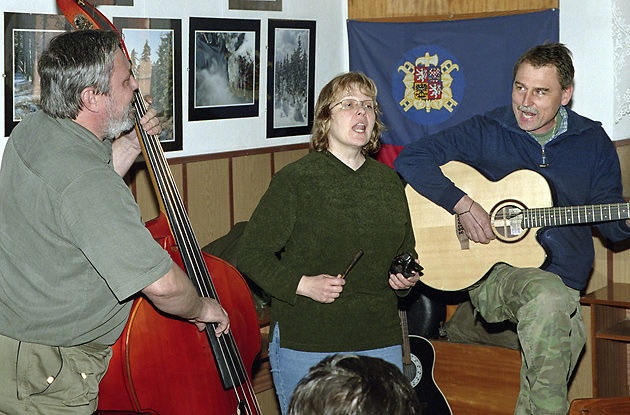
(523, 108)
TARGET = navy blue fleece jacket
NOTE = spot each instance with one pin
(582, 168)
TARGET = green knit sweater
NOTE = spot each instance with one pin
(316, 213)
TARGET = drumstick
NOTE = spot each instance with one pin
(356, 258)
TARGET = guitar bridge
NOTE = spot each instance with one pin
(464, 242)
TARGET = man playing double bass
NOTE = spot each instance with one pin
(73, 248)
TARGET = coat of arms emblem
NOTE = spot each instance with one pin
(427, 84)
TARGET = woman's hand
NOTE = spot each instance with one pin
(399, 282)
(323, 288)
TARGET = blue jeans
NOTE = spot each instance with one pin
(289, 366)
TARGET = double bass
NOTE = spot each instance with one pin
(162, 365)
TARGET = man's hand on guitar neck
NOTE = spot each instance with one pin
(475, 220)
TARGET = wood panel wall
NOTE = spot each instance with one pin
(218, 190)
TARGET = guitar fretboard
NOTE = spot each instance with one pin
(573, 215)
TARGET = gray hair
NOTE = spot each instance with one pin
(72, 62)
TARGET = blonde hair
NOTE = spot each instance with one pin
(327, 98)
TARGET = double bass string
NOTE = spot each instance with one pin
(191, 254)
(186, 247)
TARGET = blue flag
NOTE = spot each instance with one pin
(433, 75)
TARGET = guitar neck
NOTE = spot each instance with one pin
(574, 215)
(406, 349)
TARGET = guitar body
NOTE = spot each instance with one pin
(450, 265)
(420, 373)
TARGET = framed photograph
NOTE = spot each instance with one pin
(268, 5)
(154, 47)
(224, 68)
(290, 77)
(25, 38)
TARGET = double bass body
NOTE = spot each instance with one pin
(165, 366)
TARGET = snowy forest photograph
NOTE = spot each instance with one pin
(26, 37)
(291, 48)
(154, 54)
(226, 65)
(28, 46)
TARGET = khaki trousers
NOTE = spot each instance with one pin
(50, 380)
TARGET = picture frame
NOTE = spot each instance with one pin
(154, 47)
(267, 5)
(290, 99)
(224, 74)
(25, 38)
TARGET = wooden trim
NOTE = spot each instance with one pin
(610, 266)
(272, 163)
(231, 191)
(185, 185)
(237, 153)
(447, 17)
(621, 143)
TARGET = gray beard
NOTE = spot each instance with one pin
(115, 126)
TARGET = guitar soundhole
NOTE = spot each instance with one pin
(417, 365)
(506, 219)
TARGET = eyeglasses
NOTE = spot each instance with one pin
(351, 104)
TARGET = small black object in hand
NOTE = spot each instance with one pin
(404, 264)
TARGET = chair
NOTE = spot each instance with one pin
(600, 406)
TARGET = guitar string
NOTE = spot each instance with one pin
(585, 214)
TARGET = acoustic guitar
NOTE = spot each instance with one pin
(451, 262)
(418, 364)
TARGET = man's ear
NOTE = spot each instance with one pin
(90, 100)
(567, 94)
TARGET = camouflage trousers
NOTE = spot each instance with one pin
(549, 326)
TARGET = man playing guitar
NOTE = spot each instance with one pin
(581, 166)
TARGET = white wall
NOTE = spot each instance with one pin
(598, 34)
(203, 137)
